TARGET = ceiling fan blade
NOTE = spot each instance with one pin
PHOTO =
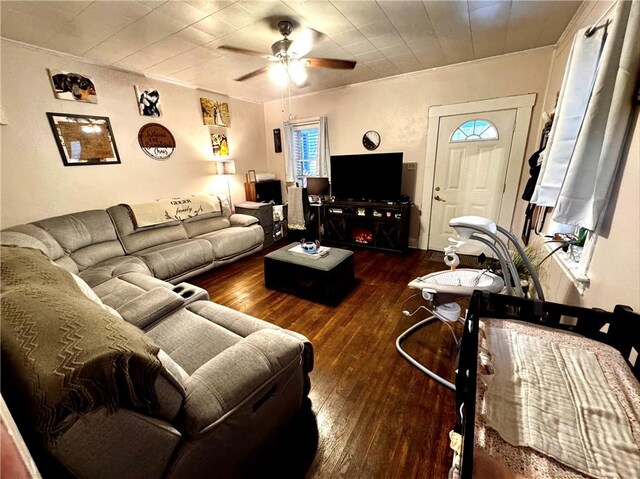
(243, 51)
(252, 74)
(329, 63)
(304, 42)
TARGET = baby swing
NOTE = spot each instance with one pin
(441, 289)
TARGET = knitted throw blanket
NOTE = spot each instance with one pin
(62, 354)
(296, 208)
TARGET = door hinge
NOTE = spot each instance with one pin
(504, 188)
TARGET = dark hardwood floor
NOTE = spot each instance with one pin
(373, 415)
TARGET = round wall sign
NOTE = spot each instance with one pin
(371, 140)
(156, 141)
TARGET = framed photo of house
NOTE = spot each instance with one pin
(251, 176)
(84, 139)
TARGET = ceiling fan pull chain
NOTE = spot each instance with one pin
(289, 95)
(282, 100)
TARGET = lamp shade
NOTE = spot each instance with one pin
(227, 167)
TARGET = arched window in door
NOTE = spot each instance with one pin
(475, 130)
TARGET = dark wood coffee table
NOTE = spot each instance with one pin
(325, 280)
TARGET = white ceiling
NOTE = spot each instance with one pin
(178, 40)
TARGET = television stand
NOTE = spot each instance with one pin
(377, 225)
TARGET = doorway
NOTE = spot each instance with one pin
(471, 167)
(475, 153)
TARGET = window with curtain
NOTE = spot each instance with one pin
(307, 148)
(588, 133)
(305, 145)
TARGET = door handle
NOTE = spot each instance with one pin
(437, 198)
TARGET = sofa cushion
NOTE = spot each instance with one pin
(89, 237)
(89, 293)
(112, 267)
(243, 325)
(234, 240)
(54, 250)
(120, 290)
(23, 240)
(170, 260)
(239, 219)
(150, 307)
(135, 240)
(197, 226)
(190, 339)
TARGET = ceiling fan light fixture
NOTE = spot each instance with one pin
(297, 72)
(278, 74)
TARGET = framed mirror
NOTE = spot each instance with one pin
(84, 139)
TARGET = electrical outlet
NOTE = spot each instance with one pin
(412, 166)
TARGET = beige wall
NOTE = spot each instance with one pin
(615, 267)
(397, 108)
(36, 185)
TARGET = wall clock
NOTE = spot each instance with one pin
(371, 140)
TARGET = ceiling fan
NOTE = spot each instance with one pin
(288, 59)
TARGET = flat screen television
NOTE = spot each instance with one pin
(369, 177)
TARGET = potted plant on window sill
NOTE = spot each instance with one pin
(572, 245)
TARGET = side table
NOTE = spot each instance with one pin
(264, 213)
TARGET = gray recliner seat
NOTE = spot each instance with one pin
(229, 383)
(166, 248)
(84, 243)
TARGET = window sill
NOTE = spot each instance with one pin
(571, 268)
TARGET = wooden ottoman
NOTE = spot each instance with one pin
(325, 280)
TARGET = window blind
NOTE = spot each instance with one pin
(305, 145)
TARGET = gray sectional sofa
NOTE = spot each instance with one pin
(99, 244)
(228, 381)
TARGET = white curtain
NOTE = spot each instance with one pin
(289, 153)
(591, 167)
(324, 154)
(577, 84)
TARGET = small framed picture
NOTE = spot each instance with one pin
(73, 86)
(220, 144)
(148, 101)
(251, 176)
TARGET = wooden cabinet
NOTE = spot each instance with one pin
(373, 225)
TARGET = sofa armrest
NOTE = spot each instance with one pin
(150, 306)
(238, 219)
(237, 375)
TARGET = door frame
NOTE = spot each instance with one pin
(523, 104)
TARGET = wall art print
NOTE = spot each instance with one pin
(148, 101)
(219, 144)
(84, 139)
(73, 86)
(156, 141)
(215, 113)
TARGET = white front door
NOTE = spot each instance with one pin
(472, 156)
